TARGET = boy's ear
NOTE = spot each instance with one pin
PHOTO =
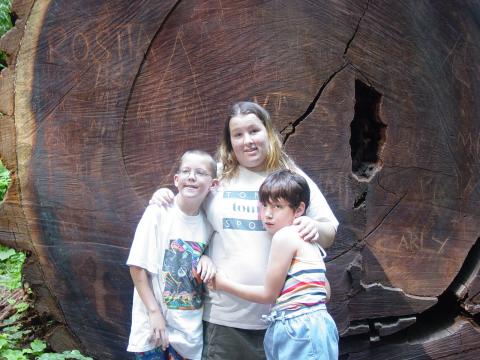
(175, 180)
(300, 210)
(214, 184)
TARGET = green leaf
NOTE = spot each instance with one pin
(21, 307)
(12, 319)
(16, 335)
(3, 343)
(11, 354)
(4, 175)
(5, 253)
(50, 356)
(11, 264)
(11, 329)
(74, 354)
(38, 346)
(5, 19)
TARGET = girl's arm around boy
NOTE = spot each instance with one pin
(282, 251)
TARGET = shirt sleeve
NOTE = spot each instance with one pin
(318, 209)
(147, 249)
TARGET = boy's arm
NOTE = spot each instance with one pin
(157, 321)
(282, 251)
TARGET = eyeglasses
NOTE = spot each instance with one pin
(198, 173)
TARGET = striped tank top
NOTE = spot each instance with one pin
(304, 286)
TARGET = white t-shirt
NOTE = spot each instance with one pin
(168, 244)
(240, 246)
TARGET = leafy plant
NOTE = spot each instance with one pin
(4, 180)
(16, 340)
(36, 350)
(5, 25)
(11, 263)
(5, 19)
(74, 354)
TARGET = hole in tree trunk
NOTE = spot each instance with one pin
(367, 133)
(360, 201)
(13, 18)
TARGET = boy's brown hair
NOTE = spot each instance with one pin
(287, 185)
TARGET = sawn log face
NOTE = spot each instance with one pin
(377, 102)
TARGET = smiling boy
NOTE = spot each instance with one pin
(167, 267)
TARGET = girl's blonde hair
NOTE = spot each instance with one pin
(276, 157)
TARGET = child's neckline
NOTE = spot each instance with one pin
(177, 206)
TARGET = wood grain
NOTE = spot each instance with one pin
(108, 94)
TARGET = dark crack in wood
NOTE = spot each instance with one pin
(349, 42)
(289, 130)
(137, 75)
(384, 217)
(359, 72)
(144, 59)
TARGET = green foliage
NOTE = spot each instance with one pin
(38, 346)
(5, 25)
(74, 354)
(11, 263)
(9, 338)
(10, 347)
(4, 180)
(5, 19)
(35, 350)
(16, 341)
(3, 60)
(21, 307)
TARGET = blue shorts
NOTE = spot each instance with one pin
(311, 335)
(159, 354)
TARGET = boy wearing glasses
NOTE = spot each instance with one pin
(167, 267)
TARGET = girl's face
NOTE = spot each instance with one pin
(249, 140)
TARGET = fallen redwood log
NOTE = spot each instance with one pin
(376, 101)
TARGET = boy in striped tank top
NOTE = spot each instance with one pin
(300, 326)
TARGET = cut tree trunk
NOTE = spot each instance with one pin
(376, 100)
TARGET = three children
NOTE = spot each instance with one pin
(167, 266)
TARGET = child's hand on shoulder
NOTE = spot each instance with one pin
(162, 197)
(306, 228)
(206, 269)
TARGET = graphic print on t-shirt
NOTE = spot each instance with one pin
(243, 208)
(183, 286)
